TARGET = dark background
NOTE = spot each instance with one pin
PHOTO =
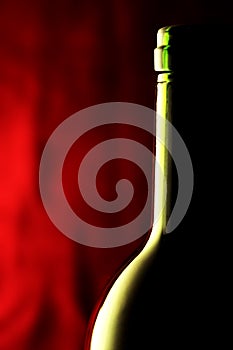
(57, 58)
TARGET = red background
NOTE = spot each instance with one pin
(57, 58)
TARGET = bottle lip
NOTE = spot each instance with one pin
(186, 46)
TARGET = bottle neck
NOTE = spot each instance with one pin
(162, 163)
(165, 77)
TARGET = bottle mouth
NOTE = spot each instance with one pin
(161, 53)
(194, 47)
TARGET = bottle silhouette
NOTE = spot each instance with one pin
(176, 292)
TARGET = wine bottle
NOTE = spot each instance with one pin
(175, 292)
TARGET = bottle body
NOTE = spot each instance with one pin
(175, 292)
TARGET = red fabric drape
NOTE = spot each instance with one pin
(55, 59)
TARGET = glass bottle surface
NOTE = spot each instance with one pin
(176, 290)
